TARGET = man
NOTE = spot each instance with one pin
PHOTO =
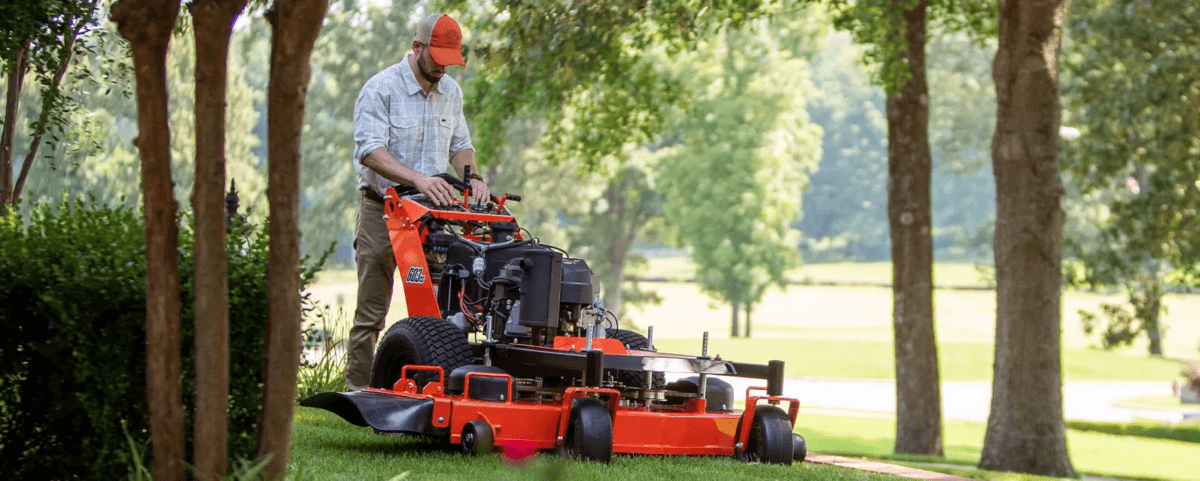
(408, 123)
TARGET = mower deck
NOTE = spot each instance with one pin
(636, 429)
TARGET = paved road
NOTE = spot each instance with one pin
(970, 400)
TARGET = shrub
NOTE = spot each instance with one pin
(323, 360)
(73, 358)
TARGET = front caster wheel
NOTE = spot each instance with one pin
(478, 438)
(799, 448)
(589, 431)
(770, 438)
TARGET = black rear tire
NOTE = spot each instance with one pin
(589, 431)
(770, 438)
(478, 438)
(635, 341)
(429, 341)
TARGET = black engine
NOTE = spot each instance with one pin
(514, 289)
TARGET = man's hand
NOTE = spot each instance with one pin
(439, 191)
(480, 193)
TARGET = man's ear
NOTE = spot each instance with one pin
(416, 47)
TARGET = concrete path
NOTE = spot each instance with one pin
(877, 467)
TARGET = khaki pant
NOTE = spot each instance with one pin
(376, 270)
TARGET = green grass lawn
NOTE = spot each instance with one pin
(1091, 453)
(327, 448)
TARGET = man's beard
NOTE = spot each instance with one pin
(426, 74)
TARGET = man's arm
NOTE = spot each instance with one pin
(382, 162)
(479, 190)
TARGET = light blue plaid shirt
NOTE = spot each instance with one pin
(421, 131)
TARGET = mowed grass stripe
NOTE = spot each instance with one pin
(327, 448)
(834, 358)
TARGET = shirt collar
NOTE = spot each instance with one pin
(410, 78)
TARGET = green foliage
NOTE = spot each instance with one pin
(747, 148)
(845, 207)
(1131, 94)
(51, 28)
(323, 358)
(358, 40)
(1189, 433)
(584, 66)
(629, 208)
(880, 25)
(73, 364)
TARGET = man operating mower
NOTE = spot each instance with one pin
(408, 124)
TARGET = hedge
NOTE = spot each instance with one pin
(72, 356)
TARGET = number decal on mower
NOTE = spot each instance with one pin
(416, 275)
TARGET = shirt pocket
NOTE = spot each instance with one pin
(445, 131)
(403, 136)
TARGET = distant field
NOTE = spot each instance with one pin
(835, 358)
(944, 274)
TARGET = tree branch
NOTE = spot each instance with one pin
(59, 73)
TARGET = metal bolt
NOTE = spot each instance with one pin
(501, 397)
(560, 439)
(737, 446)
(441, 419)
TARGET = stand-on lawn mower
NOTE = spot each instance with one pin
(549, 368)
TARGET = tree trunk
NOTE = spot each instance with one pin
(1025, 431)
(1153, 309)
(918, 395)
(212, 26)
(749, 308)
(733, 322)
(295, 25)
(617, 250)
(16, 78)
(147, 25)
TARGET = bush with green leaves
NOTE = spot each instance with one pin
(73, 357)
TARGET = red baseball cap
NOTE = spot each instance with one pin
(444, 38)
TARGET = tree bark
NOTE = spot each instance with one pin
(918, 395)
(617, 251)
(212, 26)
(1154, 294)
(1025, 431)
(12, 102)
(733, 321)
(295, 26)
(749, 309)
(36, 142)
(147, 25)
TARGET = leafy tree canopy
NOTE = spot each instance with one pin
(583, 65)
